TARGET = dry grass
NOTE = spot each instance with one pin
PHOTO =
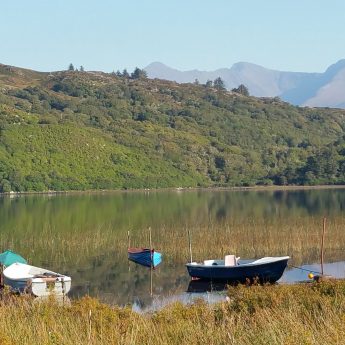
(297, 314)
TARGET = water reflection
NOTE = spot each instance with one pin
(85, 236)
(196, 285)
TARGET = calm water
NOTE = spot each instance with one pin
(85, 236)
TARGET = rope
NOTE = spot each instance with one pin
(304, 269)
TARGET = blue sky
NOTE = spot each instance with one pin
(294, 35)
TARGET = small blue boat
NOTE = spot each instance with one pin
(145, 256)
(264, 270)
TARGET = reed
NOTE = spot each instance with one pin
(291, 314)
(298, 237)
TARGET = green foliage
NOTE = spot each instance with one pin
(157, 134)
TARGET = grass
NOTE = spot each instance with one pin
(279, 314)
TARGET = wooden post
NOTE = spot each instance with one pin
(151, 250)
(1, 276)
(129, 245)
(152, 265)
(190, 245)
(323, 242)
(151, 281)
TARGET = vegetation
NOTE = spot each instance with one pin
(242, 89)
(76, 130)
(296, 314)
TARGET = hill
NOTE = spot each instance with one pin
(72, 130)
(307, 89)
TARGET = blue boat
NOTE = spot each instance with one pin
(264, 270)
(145, 256)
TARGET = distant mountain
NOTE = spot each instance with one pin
(306, 89)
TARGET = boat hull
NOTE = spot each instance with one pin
(268, 272)
(40, 287)
(37, 281)
(144, 257)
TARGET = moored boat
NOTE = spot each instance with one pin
(35, 280)
(145, 256)
(264, 270)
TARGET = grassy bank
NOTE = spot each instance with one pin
(290, 314)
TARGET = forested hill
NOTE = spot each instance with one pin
(77, 130)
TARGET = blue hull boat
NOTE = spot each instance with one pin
(145, 256)
(265, 270)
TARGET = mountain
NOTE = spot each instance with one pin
(305, 89)
(71, 130)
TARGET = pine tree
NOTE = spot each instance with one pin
(219, 84)
(139, 74)
(71, 67)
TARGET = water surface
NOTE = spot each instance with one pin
(85, 236)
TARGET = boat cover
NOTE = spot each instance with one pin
(8, 258)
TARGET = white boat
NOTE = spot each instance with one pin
(35, 280)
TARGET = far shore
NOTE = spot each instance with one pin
(177, 189)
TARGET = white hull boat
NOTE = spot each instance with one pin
(35, 280)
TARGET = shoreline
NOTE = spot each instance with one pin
(176, 189)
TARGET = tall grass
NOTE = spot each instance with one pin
(294, 314)
(298, 237)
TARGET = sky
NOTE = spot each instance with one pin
(110, 35)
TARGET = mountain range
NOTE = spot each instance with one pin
(325, 89)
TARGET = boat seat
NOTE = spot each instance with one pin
(231, 260)
(50, 279)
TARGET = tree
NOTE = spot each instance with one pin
(219, 84)
(5, 186)
(81, 69)
(209, 83)
(139, 74)
(242, 89)
(71, 67)
(196, 81)
(125, 73)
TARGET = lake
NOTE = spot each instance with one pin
(86, 236)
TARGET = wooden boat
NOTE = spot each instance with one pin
(145, 256)
(267, 269)
(38, 281)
